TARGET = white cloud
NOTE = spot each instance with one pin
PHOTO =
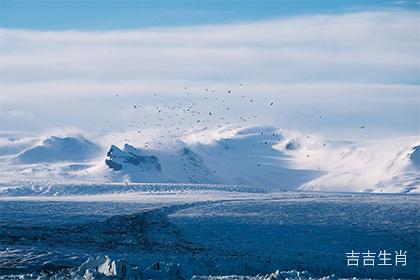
(377, 47)
(300, 60)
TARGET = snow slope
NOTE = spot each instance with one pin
(279, 159)
(245, 157)
(260, 156)
(55, 149)
(378, 166)
(176, 164)
(14, 145)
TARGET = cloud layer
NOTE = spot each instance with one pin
(300, 59)
(364, 47)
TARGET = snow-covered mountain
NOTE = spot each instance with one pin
(403, 172)
(378, 166)
(176, 164)
(277, 159)
(56, 149)
(260, 156)
(133, 164)
(241, 156)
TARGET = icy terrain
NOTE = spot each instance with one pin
(202, 230)
(54, 149)
(258, 156)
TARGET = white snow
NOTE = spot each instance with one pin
(258, 156)
(55, 149)
(375, 166)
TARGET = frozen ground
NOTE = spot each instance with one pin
(202, 230)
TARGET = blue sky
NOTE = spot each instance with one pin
(103, 14)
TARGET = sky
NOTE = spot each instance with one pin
(328, 67)
(111, 14)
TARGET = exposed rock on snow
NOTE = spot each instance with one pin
(117, 159)
(293, 144)
(55, 149)
(414, 155)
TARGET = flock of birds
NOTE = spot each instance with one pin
(175, 116)
(178, 115)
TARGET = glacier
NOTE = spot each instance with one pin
(204, 232)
